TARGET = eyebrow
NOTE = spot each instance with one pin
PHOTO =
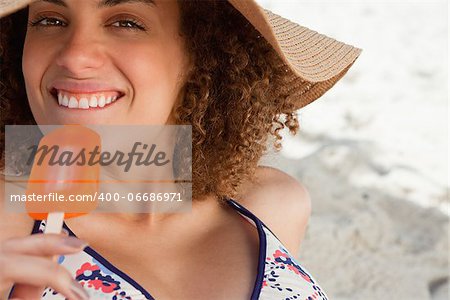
(110, 3)
(107, 3)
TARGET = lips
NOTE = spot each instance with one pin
(76, 95)
(85, 101)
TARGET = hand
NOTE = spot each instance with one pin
(26, 261)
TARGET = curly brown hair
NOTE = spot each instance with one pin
(232, 95)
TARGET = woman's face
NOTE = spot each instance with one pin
(103, 61)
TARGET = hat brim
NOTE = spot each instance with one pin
(316, 60)
(10, 6)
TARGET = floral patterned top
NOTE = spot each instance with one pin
(279, 275)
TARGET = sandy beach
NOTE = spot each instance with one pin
(373, 153)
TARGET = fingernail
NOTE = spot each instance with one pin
(73, 242)
(79, 291)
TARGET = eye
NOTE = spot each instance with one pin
(47, 22)
(128, 24)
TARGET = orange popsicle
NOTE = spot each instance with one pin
(61, 171)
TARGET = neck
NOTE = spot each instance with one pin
(200, 211)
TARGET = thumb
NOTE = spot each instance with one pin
(65, 232)
(26, 292)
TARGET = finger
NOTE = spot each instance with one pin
(43, 245)
(40, 272)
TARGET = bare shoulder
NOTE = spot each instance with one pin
(281, 202)
(12, 224)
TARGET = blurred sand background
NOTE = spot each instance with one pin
(373, 152)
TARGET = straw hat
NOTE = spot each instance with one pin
(316, 61)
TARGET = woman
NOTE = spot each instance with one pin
(233, 71)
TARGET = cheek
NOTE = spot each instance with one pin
(32, 74)
(154, 75)
(33, 66)
(35, 60)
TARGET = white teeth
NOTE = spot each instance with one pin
(73, 103)
(84, 103)
(101, 101)
(65, 101)
(93, 102)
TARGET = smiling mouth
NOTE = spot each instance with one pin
(97, 100)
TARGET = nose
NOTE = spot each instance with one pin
(81, 53)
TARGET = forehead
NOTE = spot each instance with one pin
(162, 9)
(101, 3)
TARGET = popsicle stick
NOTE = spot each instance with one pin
(54, 222)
